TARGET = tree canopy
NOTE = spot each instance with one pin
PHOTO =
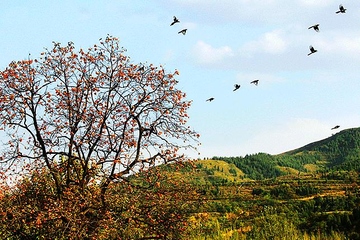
(85, 118)
(93, 106)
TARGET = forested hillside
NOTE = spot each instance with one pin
(308, 193)
(338, 152)
(341, 150)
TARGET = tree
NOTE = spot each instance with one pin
(86, 118)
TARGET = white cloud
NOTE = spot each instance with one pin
(271, 42)
(341, 44)
(285, 137)
(271, 139)
(206, 54)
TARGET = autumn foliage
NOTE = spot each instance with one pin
(149, 204)
(78, 126)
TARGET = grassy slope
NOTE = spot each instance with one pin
(218, 169)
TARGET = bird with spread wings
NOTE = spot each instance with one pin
(315, 27)
(341, 9)
(312, 50)
(175, 21)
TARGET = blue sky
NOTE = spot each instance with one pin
(298, 100)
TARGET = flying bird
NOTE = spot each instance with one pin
(312, 50)
(183, 32)
(336, 127)
(341, 9)
(256, 82)
(315, 27)
(236, 87)
(174, 21)
(210, 99)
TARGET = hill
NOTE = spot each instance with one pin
(311, 192)
(339, 152)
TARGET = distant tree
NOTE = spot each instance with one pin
(306, 190)
(283, 191)
(258, 191)
(256, 166)
(89, 117)
(233, 172)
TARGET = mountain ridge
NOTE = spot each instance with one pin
(339, 152)
(325, 140)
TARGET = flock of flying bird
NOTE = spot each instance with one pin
(256, 82)
(313, 50)
(183, 31)
(316, 28)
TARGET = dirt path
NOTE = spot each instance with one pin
(327, 194)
